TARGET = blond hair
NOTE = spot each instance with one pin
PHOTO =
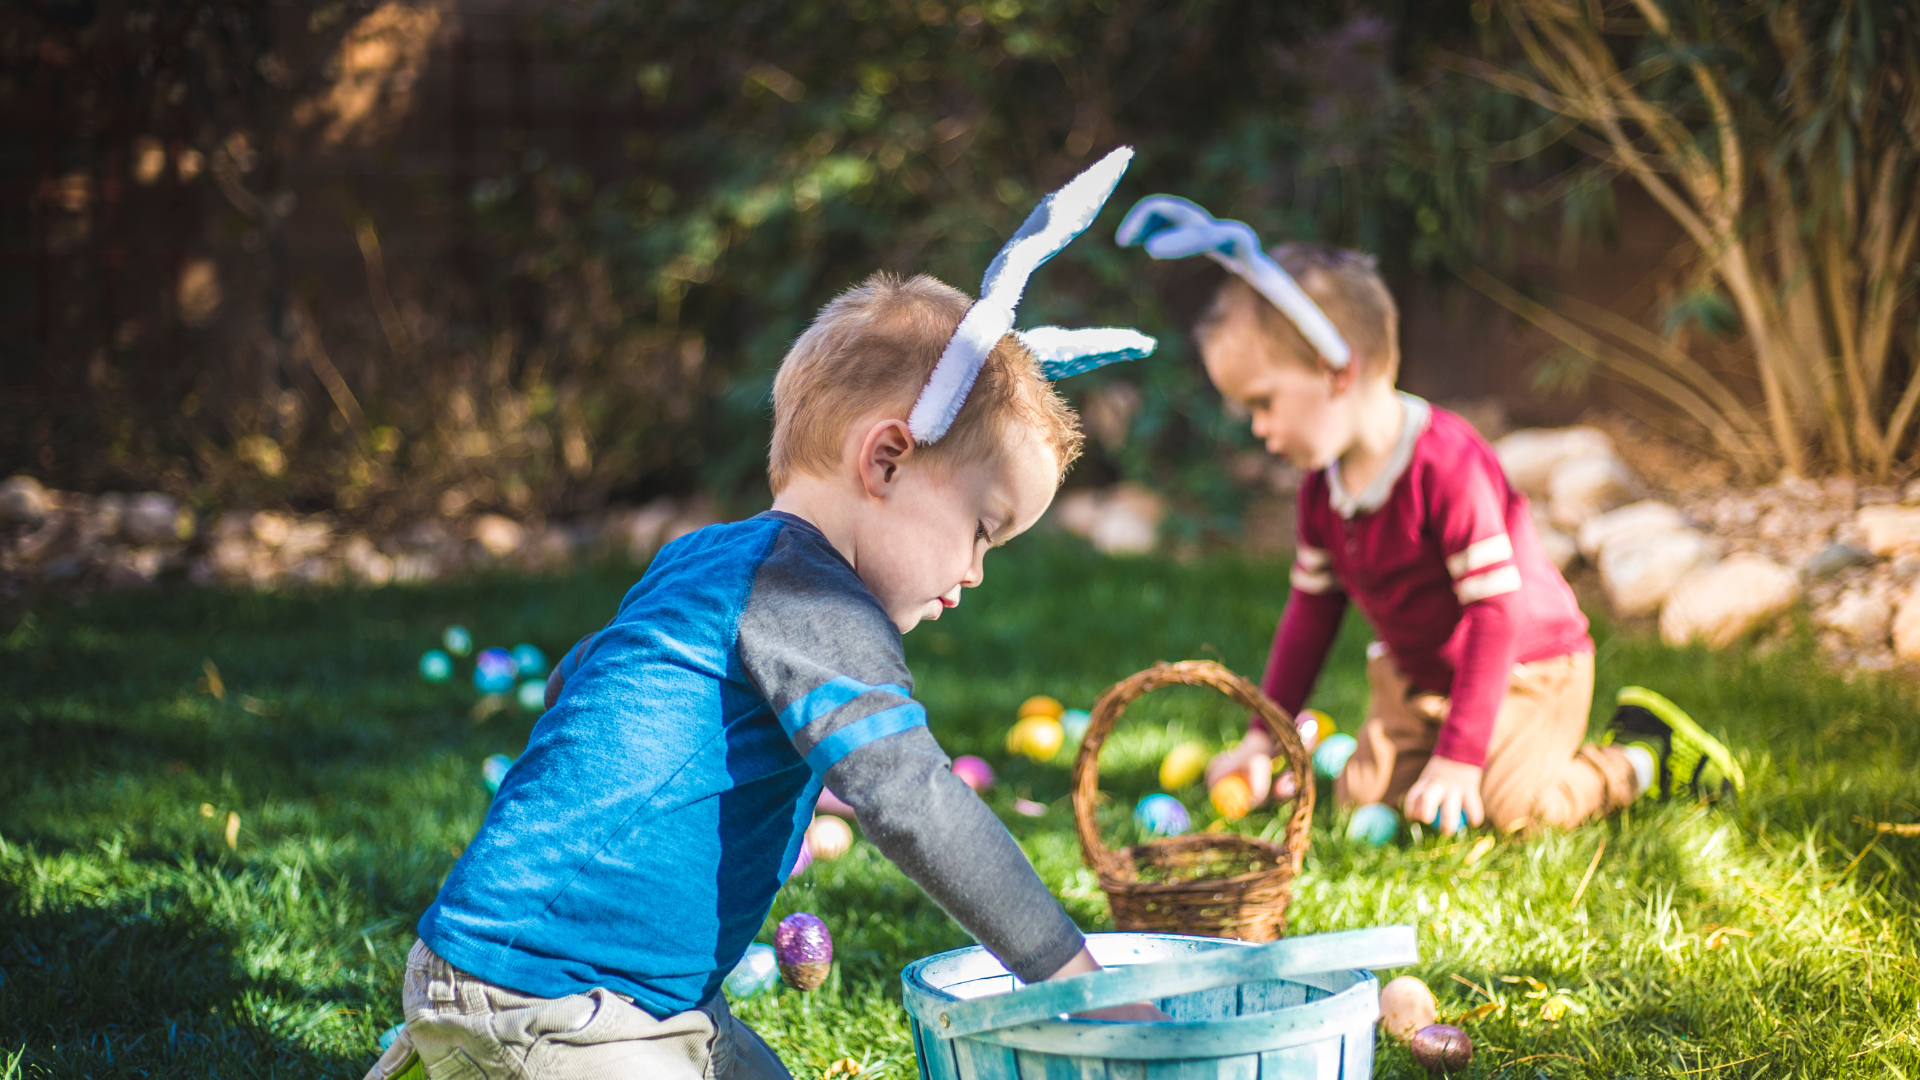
(1346, 285)
(869, 353)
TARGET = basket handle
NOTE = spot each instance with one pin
(1313, 954)
(1086, 767)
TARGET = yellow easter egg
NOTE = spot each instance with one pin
(1037, 737)
(829, 837)
(1232, 797)
(1313, 733)
(1183, 765)
(1041, 705)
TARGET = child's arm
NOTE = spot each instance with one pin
(830, 665)
(1468, 512)
(562, 671)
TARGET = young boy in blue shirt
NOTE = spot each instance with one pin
(635, 849)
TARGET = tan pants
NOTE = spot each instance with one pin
(468, 1029)
(1537, 771)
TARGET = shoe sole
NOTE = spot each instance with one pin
(1677, 719)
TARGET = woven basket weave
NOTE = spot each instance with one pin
(1213, 884)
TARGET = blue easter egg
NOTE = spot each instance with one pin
(392, 1033)
(1374, 823)
(1332, 754)
(1074, 722)
(436, 666)
(493, 671)
(756, 973)
(457, 640)
(493, 771)
(531, 660)
(1161, 815)
(533, 695)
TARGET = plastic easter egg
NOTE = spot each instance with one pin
(829, 803)
(493, 671)
(388, 1036)
(1441, 1048)
(1314, 726)
(1075, 723)
(1232, 797)
(1037, 737)
(802, 860)
(756, 973)
(829, 838)
(1285, 786)
(1332, 754)
(1406, 1006)
(975, 771)
(1161, 815)
(532, 695)
(1041, 705)
(436, 665)
(493, 771)
(804, 950)
(1183, 765)
(530, 659)
(1374, 823)
(1029, 808)
(457, 640)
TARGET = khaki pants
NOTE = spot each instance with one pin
(1537, 771)
(467, 1029)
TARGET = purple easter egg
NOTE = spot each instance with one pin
(977, 773)
(804, 950)
(801, 861)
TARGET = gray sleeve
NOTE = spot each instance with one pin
(829, 662)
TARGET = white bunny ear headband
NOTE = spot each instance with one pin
(1053, 224)
(1170, 227)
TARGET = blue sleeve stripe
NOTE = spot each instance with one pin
(827, 697)
(863, 731)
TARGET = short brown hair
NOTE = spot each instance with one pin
(870, 350)
(1347, 286)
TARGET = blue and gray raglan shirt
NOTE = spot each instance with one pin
(660, 804)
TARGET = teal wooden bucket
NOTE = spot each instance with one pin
(1301, 1007)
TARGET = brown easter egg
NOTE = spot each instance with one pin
(1441, 1048)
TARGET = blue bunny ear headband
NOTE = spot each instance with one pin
(1170, 227)
(1053, 224)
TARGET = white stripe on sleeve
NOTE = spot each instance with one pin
(1312, 581)
(1479, 555)
(1504, 579)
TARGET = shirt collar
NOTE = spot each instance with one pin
(1412, 423)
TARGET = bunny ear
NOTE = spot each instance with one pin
(1064, 352)
(1170, 227)
(1053, 224)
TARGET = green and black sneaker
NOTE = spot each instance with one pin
(1690, 760)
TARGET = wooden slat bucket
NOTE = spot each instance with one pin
(1295, 1009)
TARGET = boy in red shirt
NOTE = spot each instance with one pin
(1481, 681)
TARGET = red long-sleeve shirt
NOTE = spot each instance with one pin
(1441, 555)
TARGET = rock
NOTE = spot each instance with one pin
(1530, 455)
(1640, 571)
(1861, 616)
(695, 514)
(1906, 625)
(500, 536)
(132, 568)
(639, 531)
(1078, 511)
(1720, 602)
(1834, 558)
(306, 536)
(1645, 518)
(270, 528)
(1129, 519)
(1889, 529)
(154, 518)
(1581, 487)
(365, 563)
(1910, 493)
(1558, 545)
(23, 501)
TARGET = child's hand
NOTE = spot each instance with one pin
(1251, 760)
(1138, 1011)
(1447, 792)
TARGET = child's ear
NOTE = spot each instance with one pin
(885, 448)
(1344, 378)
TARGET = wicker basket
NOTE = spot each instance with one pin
(1214, 884)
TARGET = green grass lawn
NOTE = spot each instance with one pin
(1776, 939)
